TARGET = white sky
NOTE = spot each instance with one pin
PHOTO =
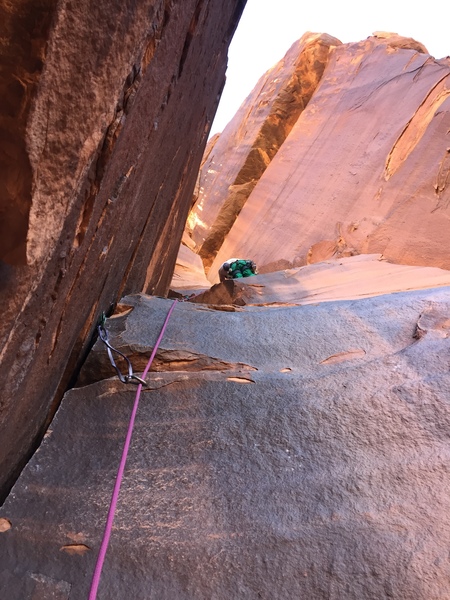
(269, 27)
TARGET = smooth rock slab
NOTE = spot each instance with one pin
(203, 338)
(346, 278)
(327, 483)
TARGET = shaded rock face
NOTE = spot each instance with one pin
(25, 27)
(106, 107)
(364, 169)
(237, 159)
(322, 472)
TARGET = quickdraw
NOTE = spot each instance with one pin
(131, 377)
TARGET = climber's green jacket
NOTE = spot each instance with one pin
(234, 268)
(241, 268)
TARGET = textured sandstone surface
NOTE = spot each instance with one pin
(189, 272)
(347, 279)
(23, 52)
(364, 170)
(235, 161)
(359, 276)
(320, 473)
(106, 108)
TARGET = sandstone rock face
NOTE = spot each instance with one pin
(25, 30)
(364, 169)
(315, 466)
(239, 156)
(360, 276)
(106, 107)
(189, 272)
(349, 278)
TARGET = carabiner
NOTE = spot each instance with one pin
(131, 377)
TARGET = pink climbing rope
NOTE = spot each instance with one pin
(115, 494)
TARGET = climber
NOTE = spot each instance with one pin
(234, 268)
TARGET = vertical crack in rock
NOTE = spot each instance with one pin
(416, 127)
(232, 206)
(159, 24)
(190, 35)
(442, 181)
(266, 119)
(161, 250)
(124, 104)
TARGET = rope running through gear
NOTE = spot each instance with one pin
(115, 494)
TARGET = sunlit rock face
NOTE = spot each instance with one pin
(284, 452)
(237, 159)
(365, 168)
(106, 108)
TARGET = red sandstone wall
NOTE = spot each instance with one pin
(242, 152)
(364, 169)
(106, 110)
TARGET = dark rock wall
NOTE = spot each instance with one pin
(25, 27)
(99, 164)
